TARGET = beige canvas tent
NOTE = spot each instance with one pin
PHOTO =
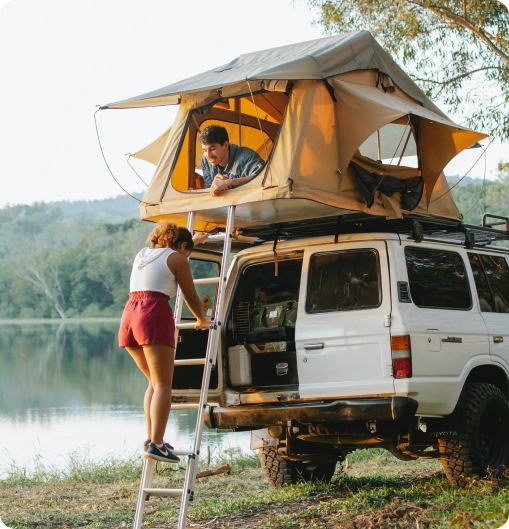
(335, 119)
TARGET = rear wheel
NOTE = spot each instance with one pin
(280, 471)
(485, 441)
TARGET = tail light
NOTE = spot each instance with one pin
(401, 356)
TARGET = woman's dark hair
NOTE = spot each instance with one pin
(169, 235)
(213, 134)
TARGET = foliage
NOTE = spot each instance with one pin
(56, 267)
(456, 50)
(475, 199)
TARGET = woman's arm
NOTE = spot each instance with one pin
(180, 268)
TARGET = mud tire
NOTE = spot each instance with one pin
(279, 471)
(484, 446)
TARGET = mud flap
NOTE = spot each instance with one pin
(451, 426)
(261, 439)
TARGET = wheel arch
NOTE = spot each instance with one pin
(490, 374)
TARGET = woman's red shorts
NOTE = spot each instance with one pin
(147, 319)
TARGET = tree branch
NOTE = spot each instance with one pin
(463, 22)
(457, 78)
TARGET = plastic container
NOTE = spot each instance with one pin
(240, 366)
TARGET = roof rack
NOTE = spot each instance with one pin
(418, 227)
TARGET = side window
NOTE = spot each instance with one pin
(207, 293)
(437, 279)
(345, 280)
(481, 284)
(497, 272)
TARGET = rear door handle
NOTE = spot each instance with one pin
(314, 346)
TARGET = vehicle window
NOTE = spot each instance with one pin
(497, 272)
(207, 293)
(346, 280)
(437, 279)
(486, 302)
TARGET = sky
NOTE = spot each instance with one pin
(60, 59)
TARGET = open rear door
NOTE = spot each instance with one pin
(191, 343)
(343, 328)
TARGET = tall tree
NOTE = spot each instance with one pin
(456, 50)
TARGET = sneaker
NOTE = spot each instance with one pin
(161, 454)
(148, 441)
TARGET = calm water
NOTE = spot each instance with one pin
(68, 387)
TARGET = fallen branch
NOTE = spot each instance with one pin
(224, 469)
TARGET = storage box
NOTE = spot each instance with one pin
(239, 361)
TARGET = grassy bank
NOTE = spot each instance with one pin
(375, 490)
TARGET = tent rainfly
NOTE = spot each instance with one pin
(335, 119)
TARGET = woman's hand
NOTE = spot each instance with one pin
(200, 237)
(202, 325)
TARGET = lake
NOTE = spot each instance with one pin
(66, 387)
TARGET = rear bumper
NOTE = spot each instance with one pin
(371, 409)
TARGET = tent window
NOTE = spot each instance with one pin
(393, 144)
(240, 118)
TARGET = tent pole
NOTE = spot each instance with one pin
(378, 144)
(404, 146)
(238, 105)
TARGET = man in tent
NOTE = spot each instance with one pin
(225, 164)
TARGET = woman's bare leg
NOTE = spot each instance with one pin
(139, 357)
(160, 359)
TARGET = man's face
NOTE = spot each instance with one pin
(216, 153)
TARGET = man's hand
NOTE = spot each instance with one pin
(220, 184)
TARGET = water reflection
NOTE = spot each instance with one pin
(68, 386)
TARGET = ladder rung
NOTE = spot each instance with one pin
(164, 492)
(190, 362)
(193, 406)
(190, 325)
(207, 280)
(190, 405)
(181, 452)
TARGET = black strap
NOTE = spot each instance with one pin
(338, 224)
(330, 90)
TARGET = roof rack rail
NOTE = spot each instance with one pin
(487, 216)
(417, 227)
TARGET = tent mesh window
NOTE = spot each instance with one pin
(242, 119)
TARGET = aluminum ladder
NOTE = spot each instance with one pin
(187, 492)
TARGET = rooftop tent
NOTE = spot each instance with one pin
(320, 113)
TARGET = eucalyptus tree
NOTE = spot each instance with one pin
(456, 50)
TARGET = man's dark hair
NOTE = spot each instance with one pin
(213, 134)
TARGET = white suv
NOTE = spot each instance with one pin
(395, 339)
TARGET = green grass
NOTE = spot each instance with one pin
(373, 491)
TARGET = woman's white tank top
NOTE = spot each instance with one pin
(151, 272)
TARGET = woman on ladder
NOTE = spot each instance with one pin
(147, 328)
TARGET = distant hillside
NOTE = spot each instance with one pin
(464, 181)
(108, 210)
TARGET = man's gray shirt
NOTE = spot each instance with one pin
(242, 161)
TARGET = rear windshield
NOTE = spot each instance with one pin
(437, 279)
